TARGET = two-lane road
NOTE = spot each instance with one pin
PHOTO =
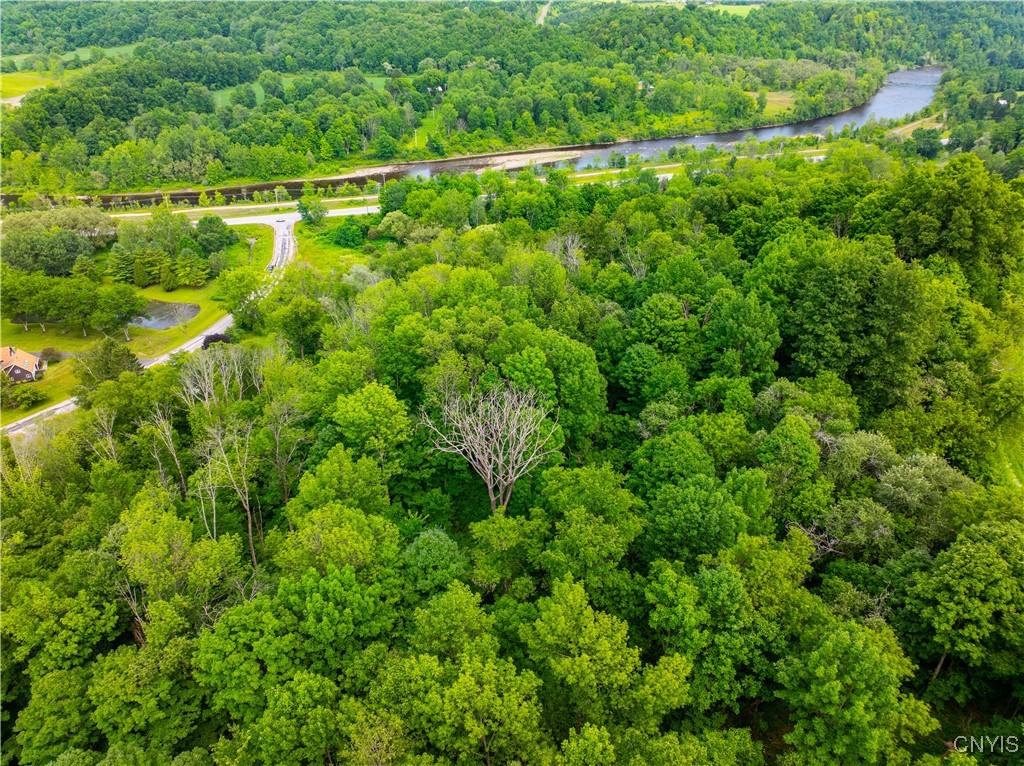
(285, 250)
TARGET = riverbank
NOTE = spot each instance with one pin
(903, 94)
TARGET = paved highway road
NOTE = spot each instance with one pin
(285, 249)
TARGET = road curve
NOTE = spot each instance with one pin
(285, 249)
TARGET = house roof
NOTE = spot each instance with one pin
(11, 356)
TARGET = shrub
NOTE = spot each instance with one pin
(25, 396)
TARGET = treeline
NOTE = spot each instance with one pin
(169, 250)
(485, 77)
(750, 510)
(52, 274)
(73, 302)
(985, 114)
(53, 241)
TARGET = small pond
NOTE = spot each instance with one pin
(163, 314)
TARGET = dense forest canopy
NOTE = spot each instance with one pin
(717, 463)
(764, 521)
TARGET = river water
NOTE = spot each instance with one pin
(903, 94)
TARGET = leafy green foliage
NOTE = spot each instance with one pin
(778, 524)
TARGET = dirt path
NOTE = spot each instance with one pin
(543, 13)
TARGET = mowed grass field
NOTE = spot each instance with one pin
(907, 130)
(14, 84)
(57, 384)
(146, 343)
(1006, 464)
(736, 10)
(222, 97)
(778, 102)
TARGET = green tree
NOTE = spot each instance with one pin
(239, 292)
(927, 142)
(56, 717)
(491, 714)
(252, 649)
(313, 210)
(970, 600)
(591, 673)
(212, 234)
(304, 723)
(107, 359)
(191, 270)
(384, 146)
(845, 698)
(374, 421)
(301, 322)
(147, 695)
(116, 306)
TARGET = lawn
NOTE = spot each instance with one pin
(934, 121)
(418, 138)
(222, 97)
(317, 250)
(377, 81)
(1008, 458)
(736, 10)
(1006, 463)
(16, 84)
(144, 342)
(151, 343)
(778, 102)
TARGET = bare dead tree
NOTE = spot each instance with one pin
(103, 443)
(131, 598)
(351, 318)
(160, 420)
(824, 542)
(880, 603)
(230, 450)
(829, 444)
(220, 375)
(637, 264)
(707, 312)
(361, 277)
(503, 434)
(281, 416)
(29, 448)
(199, 381)
(206, 490)
(568, 248)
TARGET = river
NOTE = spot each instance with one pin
(904, 93)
